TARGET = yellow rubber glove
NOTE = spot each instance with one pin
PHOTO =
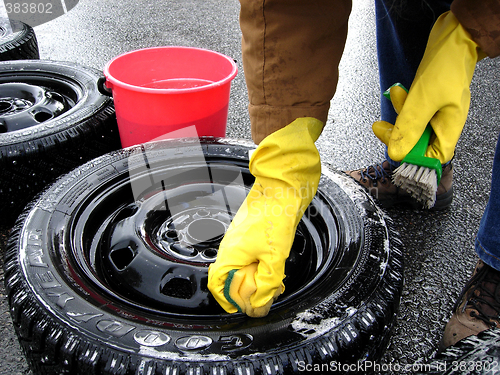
(248, 273)
(383, 129)
(439, 94)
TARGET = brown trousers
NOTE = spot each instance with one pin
(291, 52)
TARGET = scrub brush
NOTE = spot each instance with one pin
(419, 175)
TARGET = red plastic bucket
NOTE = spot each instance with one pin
(161, 90)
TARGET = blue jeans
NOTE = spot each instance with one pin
(401, 39)
(488, 235)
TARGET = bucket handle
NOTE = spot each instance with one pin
(103, 89)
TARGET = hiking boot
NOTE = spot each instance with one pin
(377, 180)
(478, 307)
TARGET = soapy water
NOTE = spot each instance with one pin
(177, 83)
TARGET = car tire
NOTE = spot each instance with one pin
(17, 41)
(106, 271)
(473, 355)
(52, 119)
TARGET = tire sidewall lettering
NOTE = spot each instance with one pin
(66, 305)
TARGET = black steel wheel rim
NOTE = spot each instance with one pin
(31, 98)
(136, 252)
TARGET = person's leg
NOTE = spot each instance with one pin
(478, 307)
(403, 29)
(488, 236)
(291, 51)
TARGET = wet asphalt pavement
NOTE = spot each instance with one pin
(438, 247)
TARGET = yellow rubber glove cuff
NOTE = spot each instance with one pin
(287, 168)
(439, 93)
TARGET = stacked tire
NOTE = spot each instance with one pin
(52, 119)
(17, 41)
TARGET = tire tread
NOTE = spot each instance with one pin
(23, 47)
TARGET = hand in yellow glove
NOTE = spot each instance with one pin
(248, 273)
(383, 129)
(439, 94)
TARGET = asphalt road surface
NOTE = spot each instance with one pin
(438, 247)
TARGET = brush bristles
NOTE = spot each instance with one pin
(420, 182)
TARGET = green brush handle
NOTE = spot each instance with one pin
(417, 154)
(421, 147)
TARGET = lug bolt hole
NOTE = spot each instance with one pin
(203, 213)
(170, 236)
(210, 253)
(5, 106)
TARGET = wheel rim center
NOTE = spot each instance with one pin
(205, 231)
(24, 105)
(193, 235)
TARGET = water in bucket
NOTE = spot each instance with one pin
(178, 83)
